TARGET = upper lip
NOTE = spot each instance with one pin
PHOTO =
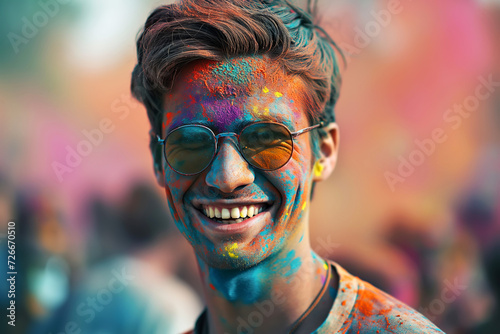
(198, 204)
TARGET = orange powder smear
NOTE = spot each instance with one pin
(370, 303)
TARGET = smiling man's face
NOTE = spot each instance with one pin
(227, 96)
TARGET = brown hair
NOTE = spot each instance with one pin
(177, 34)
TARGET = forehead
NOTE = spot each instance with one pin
(229, 77)
(235, 90)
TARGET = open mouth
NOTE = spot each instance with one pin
(233, 214)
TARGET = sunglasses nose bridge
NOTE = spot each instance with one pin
(227, 134)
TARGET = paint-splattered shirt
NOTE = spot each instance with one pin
(359, 307)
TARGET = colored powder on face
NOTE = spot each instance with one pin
(230, 78)
(192, 100)
(169, 117)
(304, 206)
(238, 71)
(205, 114)
(222, 91)
(230, 250)
(255, 110)
(224, 111)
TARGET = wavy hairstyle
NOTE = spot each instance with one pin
(175, 35)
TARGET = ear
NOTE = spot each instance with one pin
(156, 151)
(328, 149)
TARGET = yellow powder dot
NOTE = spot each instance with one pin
(256, 111)
(304, 205)
(278, 94)
(266, 111)
(265, 90)
(230, 250)
(318, 169)
(325, 266)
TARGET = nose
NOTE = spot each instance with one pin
(229, 170)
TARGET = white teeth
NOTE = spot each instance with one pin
(225, 213)
(235, 213)
(251, 211)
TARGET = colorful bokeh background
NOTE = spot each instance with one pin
(411, 214)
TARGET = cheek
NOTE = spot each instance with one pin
(302, 156)
(176, 186)
(294, 182)
(175, 190)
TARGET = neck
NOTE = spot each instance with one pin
(271, 295)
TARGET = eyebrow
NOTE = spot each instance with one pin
(279, 119)
(287, 121)
(174, 125)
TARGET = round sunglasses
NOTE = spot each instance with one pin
(190, 149)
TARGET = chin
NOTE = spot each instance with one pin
(227, 257)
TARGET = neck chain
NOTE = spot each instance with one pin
(304, 315)
(315, 302)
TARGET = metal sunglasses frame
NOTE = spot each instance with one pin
(229, 134)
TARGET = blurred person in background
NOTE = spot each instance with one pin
(41, 258)
(240, 96)
(131, 288)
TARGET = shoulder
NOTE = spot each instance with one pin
(374, 311)
(359, 307)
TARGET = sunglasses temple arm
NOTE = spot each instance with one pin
(298, 133)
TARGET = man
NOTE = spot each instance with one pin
(240, 96)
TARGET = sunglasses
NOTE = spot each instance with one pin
(190, 149)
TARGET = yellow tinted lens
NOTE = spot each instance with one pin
(266, 145)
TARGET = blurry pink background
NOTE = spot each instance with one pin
(440, 225)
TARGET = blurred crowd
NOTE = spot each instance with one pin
(97, 249)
